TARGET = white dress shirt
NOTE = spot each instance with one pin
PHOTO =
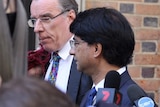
(101, 83)
(63, 69)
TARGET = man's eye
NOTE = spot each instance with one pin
(33, 20)
(45, 18)
(76, 43)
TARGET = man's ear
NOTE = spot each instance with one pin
(98, 49)
(71, 15)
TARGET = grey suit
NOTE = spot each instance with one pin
(13, 51)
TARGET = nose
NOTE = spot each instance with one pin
(38, 26)
(72, 51)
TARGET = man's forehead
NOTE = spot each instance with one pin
(46, 2)
(42, 8)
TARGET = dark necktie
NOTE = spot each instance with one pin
(90, 97)
(54, 70)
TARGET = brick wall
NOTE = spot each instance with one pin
(144, 16)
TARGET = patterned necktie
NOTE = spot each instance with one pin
(90, 97)
(54, 70)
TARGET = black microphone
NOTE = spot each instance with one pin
(112, 80)
(109, 94)
(104, 104)
(139, 98)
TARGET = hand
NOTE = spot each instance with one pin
(35, 71)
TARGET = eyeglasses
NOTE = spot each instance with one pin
(32, 21)
(74, 43)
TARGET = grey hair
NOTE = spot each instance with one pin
(69, 4)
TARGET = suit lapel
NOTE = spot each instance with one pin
(84, 99)
(74, 81)
(124, 78)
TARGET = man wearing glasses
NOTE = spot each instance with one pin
(51, 20)
(103, 43)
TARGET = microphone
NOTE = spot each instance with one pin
(104, 104)
(109, 94)
(139, 97)
(112, 80)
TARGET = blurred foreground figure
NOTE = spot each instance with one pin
(13, 39)
(32, 92)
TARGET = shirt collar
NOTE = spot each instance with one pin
(64, 52)
(101, 83)
(121, 70)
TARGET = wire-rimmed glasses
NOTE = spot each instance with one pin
(32, 21)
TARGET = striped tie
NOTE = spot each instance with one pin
(54, 70)
(90, 97)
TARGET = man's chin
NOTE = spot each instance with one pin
(79, 69)
(47, 48)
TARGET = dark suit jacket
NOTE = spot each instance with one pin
(103, 104)
(78, 84)
(126, 81)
